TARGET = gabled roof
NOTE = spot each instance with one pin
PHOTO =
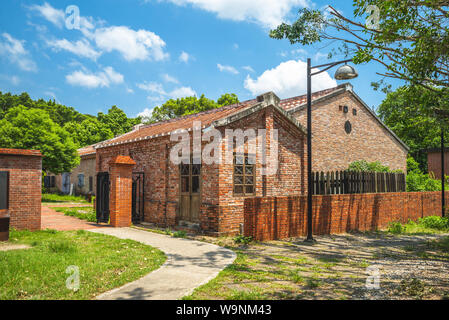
(299, 103)
(87, 151)
(227, 114)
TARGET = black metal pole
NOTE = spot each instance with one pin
(309, 153)
(443, 204)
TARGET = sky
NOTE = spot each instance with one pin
(137, 54)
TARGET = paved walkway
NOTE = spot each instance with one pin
(51, 219)
(189, 264)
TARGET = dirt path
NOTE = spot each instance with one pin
(337, 267)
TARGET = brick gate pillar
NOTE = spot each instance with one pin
(120, 196)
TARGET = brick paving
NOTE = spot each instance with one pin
(51, 219)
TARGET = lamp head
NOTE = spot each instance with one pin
(346, 72)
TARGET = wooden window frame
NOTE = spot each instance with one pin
(244, 175)
(190, 175)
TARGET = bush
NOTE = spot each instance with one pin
(180, 234)
(365, 166)
(396, 228)
(242, 239)
(435, 222)
(417, 181)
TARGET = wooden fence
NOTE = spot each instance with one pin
(349, 182)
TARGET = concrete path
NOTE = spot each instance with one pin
(189, 264)
(51, 219)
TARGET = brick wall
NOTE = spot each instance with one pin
(434, 163)
(221, 212)
(25, 176)
(334, 149)
(273, 218)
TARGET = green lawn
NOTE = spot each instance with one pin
(83, 213)
(104, 263)
(51, 197)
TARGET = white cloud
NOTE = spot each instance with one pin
(182, 92)
(15, 51)
(267, 13)
(248, 68)
(169, 79)
(228, 69)
(184, 57)
(55, 16)
(133, 45)
(152, 87)
(146, 114)
(287, 80)
(81, 48)
(94, 80)
(161, 94)
(320, 56)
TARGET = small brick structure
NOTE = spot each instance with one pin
(273, 218)
(434, 162)
(25, 184)
(121, 169)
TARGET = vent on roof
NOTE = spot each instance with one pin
(138, 126)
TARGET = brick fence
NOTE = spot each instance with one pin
(24, 192)
(272, 218)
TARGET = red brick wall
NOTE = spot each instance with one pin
(334, 149)
(434, 163)
(221, 211)
(25, 175)
(290, 179)
(273, 218)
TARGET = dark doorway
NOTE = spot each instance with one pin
(102, 206)
(138, 197)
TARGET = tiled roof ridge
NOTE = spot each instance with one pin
(314, 93)
(235, 105)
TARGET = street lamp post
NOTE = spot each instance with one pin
(343, 73)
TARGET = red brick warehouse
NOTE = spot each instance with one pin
(22, 170)
(212, 196)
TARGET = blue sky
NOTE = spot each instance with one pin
(136, 54)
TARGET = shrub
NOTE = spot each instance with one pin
(435, 222)
(242, 239)
(417, 181)
(180, 234)
(396, 227)
(365, 166)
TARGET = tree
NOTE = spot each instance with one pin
(409, 38)
(407, 111)
(117, 121)
(189, 105)
(88, 132)
(228, 99)
(23, 128)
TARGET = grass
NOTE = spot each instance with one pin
(83, 213)
(427, 225)
(52, 197)
(104, 263)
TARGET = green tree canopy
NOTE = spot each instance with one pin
(407, 111)
(88, 132)
(117, 121)
(409, 38)
(24, 128)
(189, 105)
